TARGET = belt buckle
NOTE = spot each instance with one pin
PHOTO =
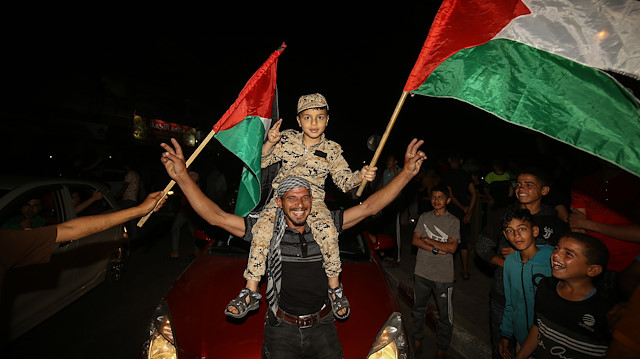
(305, 321)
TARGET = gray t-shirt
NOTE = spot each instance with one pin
(436, 267)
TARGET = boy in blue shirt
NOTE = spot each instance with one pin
(523, 270)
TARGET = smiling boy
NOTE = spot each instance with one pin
(531, 187)
(523, 270)
(570, 313)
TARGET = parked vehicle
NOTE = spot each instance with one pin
(190, 321)
(32, 294)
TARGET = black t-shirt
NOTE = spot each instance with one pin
(459, 181)
(305, 286)
(568, 329)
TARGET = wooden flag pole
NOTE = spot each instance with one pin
(383, 140)
(166, 190)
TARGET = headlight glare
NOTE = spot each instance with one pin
(390, 342)
(161, 344)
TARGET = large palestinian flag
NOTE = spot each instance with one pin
(242, 129)
(543, 65)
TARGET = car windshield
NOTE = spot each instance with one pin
(352, 247)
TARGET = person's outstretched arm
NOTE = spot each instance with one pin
(81, 227)
(413, 158)
(174, 163)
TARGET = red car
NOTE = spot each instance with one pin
(190, 321)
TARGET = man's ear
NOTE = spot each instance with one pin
(536, 231)
(545, 190)
(448, 200)
(279, 202)
(593, 270)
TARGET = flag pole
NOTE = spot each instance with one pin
(166, 190)
(383, 140)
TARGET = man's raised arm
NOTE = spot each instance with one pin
(413, 158)
(174, 163)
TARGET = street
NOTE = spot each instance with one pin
(111, 320)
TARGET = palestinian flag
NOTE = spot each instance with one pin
(541, 65)
(242, 129)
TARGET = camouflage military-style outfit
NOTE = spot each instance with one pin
(312, 164)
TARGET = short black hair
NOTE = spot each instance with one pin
(522, 214)
(595, 251)
(538, 173)
(441, 188)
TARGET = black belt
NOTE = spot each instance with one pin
(304, 321)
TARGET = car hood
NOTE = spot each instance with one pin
(202, 330)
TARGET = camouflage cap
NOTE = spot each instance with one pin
(315, 100)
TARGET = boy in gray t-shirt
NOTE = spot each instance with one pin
(436, 236)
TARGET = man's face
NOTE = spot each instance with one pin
(296, 205)
(31, 208)
(313, 122)
(529, 189)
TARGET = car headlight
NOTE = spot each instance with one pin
(161, 344)
(391, 341)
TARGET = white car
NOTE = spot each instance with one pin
(32, 294)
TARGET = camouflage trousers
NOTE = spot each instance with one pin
(323, 230)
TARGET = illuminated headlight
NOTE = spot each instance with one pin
(391, 341)
(161, 344)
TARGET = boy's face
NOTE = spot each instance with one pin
(569, 262)
(529, 189)
(313, 122)
(521, 234)
(439, 200)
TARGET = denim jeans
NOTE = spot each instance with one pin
(284, 340)
(442, 292)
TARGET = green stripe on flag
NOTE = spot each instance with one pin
(576, 104)
(245, 141)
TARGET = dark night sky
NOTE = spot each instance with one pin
(358, 58)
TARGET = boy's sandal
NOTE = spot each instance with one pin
(339, 302)
(241, 305)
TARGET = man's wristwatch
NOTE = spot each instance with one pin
(435, 250)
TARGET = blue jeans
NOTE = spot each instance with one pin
(284, 340)
(442, 291)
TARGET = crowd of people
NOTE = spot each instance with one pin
(576, 236)
(564, 250)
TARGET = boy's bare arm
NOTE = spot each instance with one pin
(530, 344)
(273, 136)
(449, 246)
(578, 221)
